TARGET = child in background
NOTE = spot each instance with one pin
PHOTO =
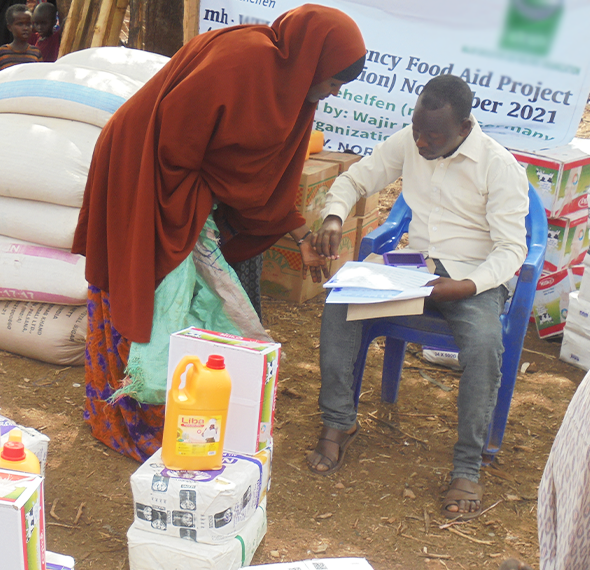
(18, 21)
(44, 20)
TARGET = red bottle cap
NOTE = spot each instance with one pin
(216, 362)
(13, 451)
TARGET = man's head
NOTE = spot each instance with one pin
(18, 21)
(440, 122)
(44, 19)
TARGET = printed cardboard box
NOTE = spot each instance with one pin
(253, 367)
(365, 225)
(577, 242)
(345, 160)
(319, 564)
(22, 521)
(316, 179)
(33, 440)
(148, 551)
(282, 274)
(575, 349)
(560, 174)
(556, 238)
(59, 561)
(578, 316)
(203, 506)
(551, 303)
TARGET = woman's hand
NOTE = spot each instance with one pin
(313, 261)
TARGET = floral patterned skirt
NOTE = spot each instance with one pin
(131, 428)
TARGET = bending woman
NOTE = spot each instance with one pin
(222, 128)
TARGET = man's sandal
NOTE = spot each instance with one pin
(462, 490)
(334, 443)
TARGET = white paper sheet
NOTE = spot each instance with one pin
(362, 296)
(379, 277)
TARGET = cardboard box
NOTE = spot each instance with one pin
(364, 226)
(321, 563)
(59, 561)
(22, 521)
(33, 440)
(578, 316)
(556, 238)
(576, 242)
(575, 349)
(345, 160)
(253, 367)
(148, 551)
(551, 303)
(203, 506)
(282, 274)
(560, 174)
(316, 179)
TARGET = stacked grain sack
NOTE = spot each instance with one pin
(50, 117)
(211, 520)
(575, 347)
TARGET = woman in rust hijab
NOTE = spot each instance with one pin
(225, 123)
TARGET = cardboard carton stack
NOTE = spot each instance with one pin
(212, 520)
(575, 347)
(281, 273)
(561, 176)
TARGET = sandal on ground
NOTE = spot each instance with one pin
(462, 490)
(332, 442)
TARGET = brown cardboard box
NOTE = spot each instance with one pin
(316, 179)
(345, 160)
(365, 225)
(282, 274)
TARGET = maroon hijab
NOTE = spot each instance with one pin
(226, 121)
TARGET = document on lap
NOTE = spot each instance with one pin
(361, 283)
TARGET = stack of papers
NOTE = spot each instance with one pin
(363, 283)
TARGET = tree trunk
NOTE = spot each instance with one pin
(163, 25)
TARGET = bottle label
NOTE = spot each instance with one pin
(198, 436)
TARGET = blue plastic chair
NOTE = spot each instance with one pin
(430, 329)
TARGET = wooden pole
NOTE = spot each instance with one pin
(74, 17)
(114, 32)
(190, 20)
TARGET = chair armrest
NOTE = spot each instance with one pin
(387, 236)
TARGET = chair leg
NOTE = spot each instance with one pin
(393, 362)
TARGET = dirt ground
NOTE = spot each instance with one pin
(384, 504)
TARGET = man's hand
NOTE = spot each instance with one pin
(316, 263)
(447, 289)
(327, 240)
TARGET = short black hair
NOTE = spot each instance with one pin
(46, 9)
(13, 11)
(451, 90)
(352, 71)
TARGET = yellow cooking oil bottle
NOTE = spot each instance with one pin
(196, 415)
(14, 455)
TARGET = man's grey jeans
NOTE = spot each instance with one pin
(477, 330)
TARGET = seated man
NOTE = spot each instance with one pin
(469, 199)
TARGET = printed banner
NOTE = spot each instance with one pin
(527, 62)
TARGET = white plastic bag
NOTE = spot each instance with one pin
(45, 159)
(135, 63)
(64, 91)
(38, 222)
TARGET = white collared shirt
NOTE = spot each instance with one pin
(468, 209)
